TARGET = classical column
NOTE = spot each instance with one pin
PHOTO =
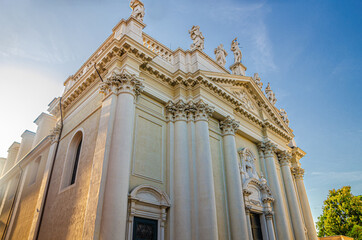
(181, 173)
(238, 221)
(298, 225)
(114, 216)
(170, 157)
(264, 228)
(281, 218)
(298, 173)
(247, 212)
(269, 224)
(205, 182)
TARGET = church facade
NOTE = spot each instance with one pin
(152, 143)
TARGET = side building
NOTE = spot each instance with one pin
(152, 143)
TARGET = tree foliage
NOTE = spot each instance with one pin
(342, 214)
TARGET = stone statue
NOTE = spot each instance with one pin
(197, 37)
(138, 9)
(270, 94)
(236, 50)
(284, 116)
(256, 79)
(220, 55)
(248, 164)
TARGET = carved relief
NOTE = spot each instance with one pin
(248, 164)
(220, 55)
(197, 38)
(270, 94)
(243, 97)
(138, 9)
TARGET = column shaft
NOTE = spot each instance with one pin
(238, 221)
(307, 214)
(297, 220)
(282, 221)
(269, 223)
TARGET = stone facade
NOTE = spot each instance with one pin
(151, 143)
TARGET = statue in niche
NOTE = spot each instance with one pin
(197, 37)
(138, 9)
(257, 80)
(284, 116)
(220, 55)
(248, 164)
(270, 94)
(236, 50)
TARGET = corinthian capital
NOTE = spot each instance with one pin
(54, 134)
(178, 110)
(284, 158)
(229, 126)
(202, 111)
(122, 82)
(267, 147)
(298, 172)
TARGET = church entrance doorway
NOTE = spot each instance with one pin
(256, 226)
(144, 229)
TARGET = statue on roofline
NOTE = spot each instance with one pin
(270, 94)
(197, 37)
(236, 50)
(220, 55)
(138, 9)
(257, 80)
(284, 116)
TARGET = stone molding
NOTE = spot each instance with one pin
(229, 126)
(122, 82)
(190, 111)
(297, 172)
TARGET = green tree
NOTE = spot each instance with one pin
(342, 214)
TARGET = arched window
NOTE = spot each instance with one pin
(72, 160)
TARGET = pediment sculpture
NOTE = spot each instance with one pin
(197, 38)
(270, 94)
(138, 9)
(236, 50)
(284, 116)
(257, 80)
(243, 97)
(220, 55)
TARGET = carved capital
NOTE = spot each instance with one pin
(269, 214)
(284, 158)
(178, 110)
(267, 148)
(54, 133)
(229, 126)
(201, 110)
(298, 172)
(268, 200)
(122, 82)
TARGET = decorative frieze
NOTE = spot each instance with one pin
(229, 126)
(122, 82)
(298, 172)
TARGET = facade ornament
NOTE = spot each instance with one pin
(269, 214)
(267, 148)
(229, 126)
(248, 164)
(284, 116)
(122, 82)
(54, 133)
(243, 97)
(202, 110)
(298, 172)
(220, 54)
(178, 110)
(197, 37)
(257, 80)
(284, 158)
(138, 10)
(236, 50)
(270, 94)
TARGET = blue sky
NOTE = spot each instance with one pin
(309, 51)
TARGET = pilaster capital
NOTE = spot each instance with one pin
(268, 200)
(202, 110)
(54, 133)
(284, 158)
(298, 172)
(178, 110)
(268, 214)
(229, 126)
(122, 82)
